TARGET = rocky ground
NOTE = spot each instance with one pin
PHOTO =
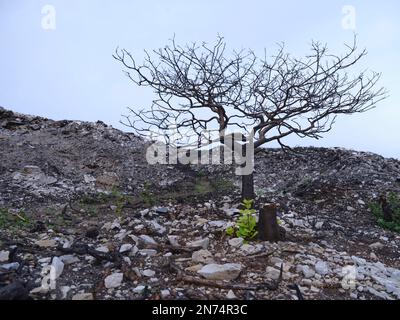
(83, 216)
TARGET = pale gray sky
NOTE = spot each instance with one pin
(68, 72)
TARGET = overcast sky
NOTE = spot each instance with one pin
(56, 55)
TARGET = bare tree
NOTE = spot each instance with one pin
(201, 87)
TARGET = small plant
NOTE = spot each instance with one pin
(223, 185)
(393, 201)
(13, 220)
(246, 225)
(120, 200)
(147, 196)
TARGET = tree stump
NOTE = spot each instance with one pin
(14, 291)
(268, 228)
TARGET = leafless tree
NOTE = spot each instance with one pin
(202, 87)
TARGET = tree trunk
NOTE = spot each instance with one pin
(14, 291)
(268, 228)
(247, 187)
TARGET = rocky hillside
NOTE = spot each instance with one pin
(83, 216)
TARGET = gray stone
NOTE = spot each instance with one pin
(148, 252)
(235, 242)
(162, 210)
(88, 178)
(231, 295)
(147, 239)
(202, 256)
(228, 271)
(173, 240)
(203, 243)
(376, 245)
(165, 293)
(158, 228)
(4, 255)
(322, 268)
(382, 295)
(44, 260)
(10, 266)
(69, 259)
(46, 243)
(103, 249)
(125, 247)
(113, 280)
(272, 273)
(148, 273)
(58, 266)
(306, 270)
(319, 224)
(138, 289)
(248, 249)
(64, 291)
(217, 224)
(83, 296)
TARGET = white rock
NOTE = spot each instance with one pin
(376, 245)
(69, 259)
(157, 227)
(41, 290)
(202, 256)
(148, 252)
(138, 289)
(88, 178)
(148, 273)
(115, 225)
(228, 271)
(203, 243)
(358, 261)
(247, 249)
(322, 268)
(113, 280)
(103, 249)
(306, 270)
(10, 266)
(147, 239)
(64, 291)
(165, 293)
(231, 295)
(298, 223)
(127, 260)
(218, 224)
(272, 273)
(4, 256)
(229, 211)
(125, 247)
(353, 295)
(83, 296)
(173, 240)
(46, 243)
(46, 260)
(319, 224)
(235, 242)
(58, 266)
(379, 294)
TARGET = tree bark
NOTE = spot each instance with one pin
(268, 228)
(14, 291)
(248, 187)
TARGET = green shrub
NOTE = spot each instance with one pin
(393, 200)
(147, 196)
(13, 220)
(246, 225)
